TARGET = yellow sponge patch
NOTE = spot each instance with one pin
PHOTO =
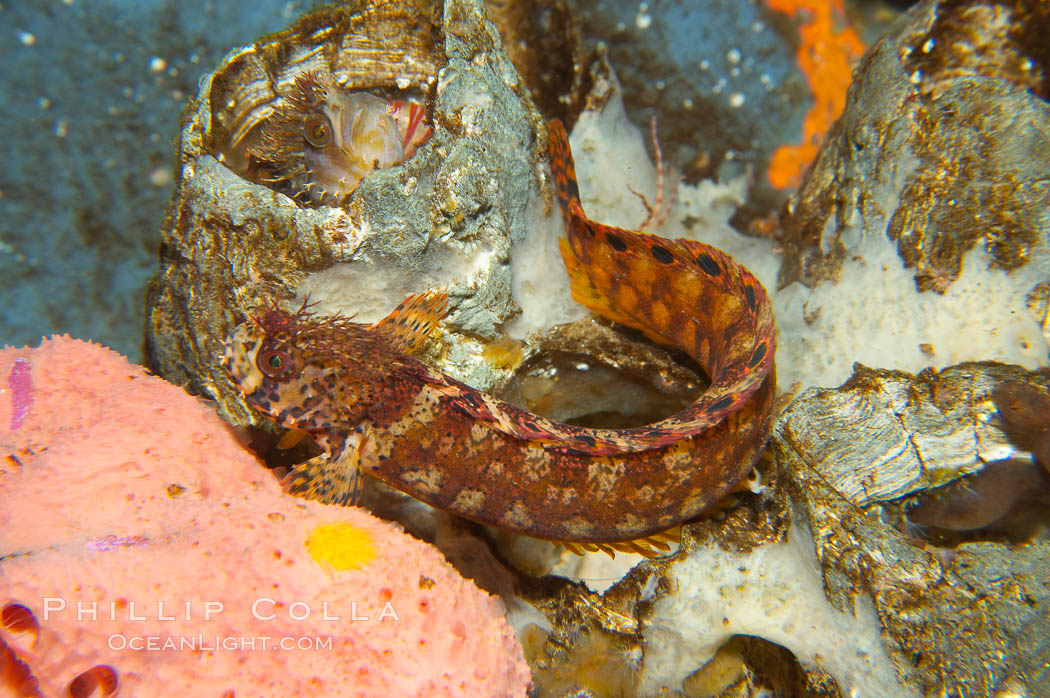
(341, 545)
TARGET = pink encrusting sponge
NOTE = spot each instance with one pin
(143, 550)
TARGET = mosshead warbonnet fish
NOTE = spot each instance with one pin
(374, 408)
(322, 140)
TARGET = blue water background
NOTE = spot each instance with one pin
(92, 91)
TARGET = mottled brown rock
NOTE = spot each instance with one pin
(542, 40)
(944, 146)
(848, 456)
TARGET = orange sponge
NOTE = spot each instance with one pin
(826, 55)
(142, 549)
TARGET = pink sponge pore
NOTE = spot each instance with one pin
(126, 502)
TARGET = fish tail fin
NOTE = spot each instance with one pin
(581, 236)
(582, 287)
(563, 170)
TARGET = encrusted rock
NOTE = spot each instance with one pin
(856, 458)
(921, 234)
(944, 145)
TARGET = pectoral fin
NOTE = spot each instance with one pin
(334, 477)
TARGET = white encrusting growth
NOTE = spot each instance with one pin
(775, 592)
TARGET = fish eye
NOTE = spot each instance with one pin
(276, 364)
(318, 130)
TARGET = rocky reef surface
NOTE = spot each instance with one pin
(907, 501)
(449, 216)
(930, 199)
(894, 539)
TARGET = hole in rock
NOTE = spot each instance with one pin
(589, 391)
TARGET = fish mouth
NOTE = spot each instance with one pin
(336, 172)
(366, 138)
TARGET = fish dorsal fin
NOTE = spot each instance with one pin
(414, 319)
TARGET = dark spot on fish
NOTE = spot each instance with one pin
(467, 402)
(584, 438)
(757, 355)
(752, 301)
(662, 254)
(303, 389)
(720, 405)
(529, 424)
(570, 187)
(708, 264)
(616, 243)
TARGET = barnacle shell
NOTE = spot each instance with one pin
(389, 48)
(447, 215)
(851, 455)
(909, 433)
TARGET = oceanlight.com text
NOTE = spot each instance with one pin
(218, 643)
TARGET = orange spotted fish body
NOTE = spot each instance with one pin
(376, 409)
